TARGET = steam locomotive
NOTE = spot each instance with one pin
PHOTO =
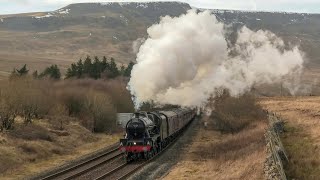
(148, 132)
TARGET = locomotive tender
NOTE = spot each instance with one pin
(148, 132)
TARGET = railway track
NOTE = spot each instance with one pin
(124, 170)
(86, 166)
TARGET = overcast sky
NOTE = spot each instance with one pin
(310, 6)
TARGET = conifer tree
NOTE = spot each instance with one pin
(87, 65)
(104, 64)
(96, 68)
(128, 70)
(79, 68)
(113, 68)
(23, 71)
(52, 72)
(72, 71)
(122, 70)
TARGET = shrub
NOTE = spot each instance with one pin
(59, 116)
(115, 89)
(7, 115)
(95, 102)
(121, 97)
(28, 148)
(103, 115)
(72, 98)
(31, 132)
(232, 114)
(9, 105)
(26, 97)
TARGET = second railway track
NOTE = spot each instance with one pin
(85, 166)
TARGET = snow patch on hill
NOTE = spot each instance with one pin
(124, 19)
(63, 11)
(54, 13)
(142, 5)
(139, 4)
(222, 11)
(45, 16)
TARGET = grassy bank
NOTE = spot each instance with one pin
(229, 143)
(301, 139)
(215, 155)
(303, 154)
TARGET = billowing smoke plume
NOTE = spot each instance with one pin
(186, 59)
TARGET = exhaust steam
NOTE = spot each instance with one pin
(186, 59)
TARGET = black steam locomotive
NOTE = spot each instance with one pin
(148, 132)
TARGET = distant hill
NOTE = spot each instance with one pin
(77, 30)
(94, 15)
(64, 35)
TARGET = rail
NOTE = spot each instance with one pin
(72, 171)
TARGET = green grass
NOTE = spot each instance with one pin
(304, 155)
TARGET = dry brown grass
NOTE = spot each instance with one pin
(233, 147)
(31, 132)
(212, 155)
(302, 137)
(23, 155)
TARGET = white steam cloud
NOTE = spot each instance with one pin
(186, 59)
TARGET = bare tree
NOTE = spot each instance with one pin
(59, 114)
(8, 106)
(99, 106)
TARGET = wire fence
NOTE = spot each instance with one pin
(277, 155)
